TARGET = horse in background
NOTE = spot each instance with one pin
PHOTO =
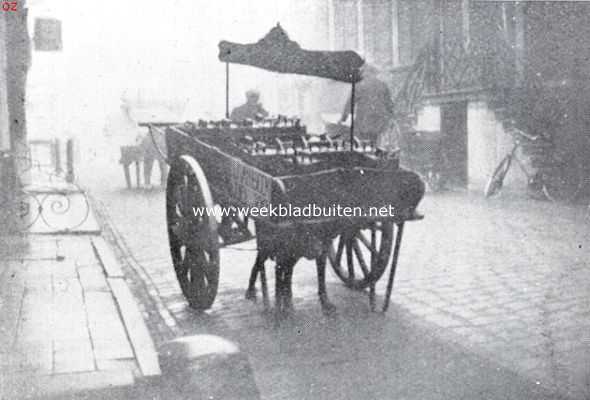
(145, 152)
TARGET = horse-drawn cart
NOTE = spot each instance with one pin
(231, 182)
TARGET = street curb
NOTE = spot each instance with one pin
(104, 253)
(137, 331)
(139, 336)
(115, 240)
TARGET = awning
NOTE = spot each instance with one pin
(276, 52)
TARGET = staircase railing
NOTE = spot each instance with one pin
(457, 68)
(416, 84)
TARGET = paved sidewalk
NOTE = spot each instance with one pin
(68, 321)
(66, 318)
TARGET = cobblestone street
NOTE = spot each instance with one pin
(503, 281)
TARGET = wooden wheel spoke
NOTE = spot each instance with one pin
(173, 220)
(185, 202)
(335, 256)
(179, 261)
(200, 274)
(331, 254)
(374, 254)
(350, 260)
(181, 195)
(183, 270)
(198, 267)
(180, 231)
(371, 245)
(209, 266)
(340, 250)
(360, 257)
(175, 215)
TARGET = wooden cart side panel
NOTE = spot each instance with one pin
(249, 185)
(233, 182)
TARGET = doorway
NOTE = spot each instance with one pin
(454, 131)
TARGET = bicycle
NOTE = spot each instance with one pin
(555, 179)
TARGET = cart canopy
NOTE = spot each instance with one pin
(276, 52)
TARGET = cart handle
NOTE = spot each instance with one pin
(164, 157)
(525, 135)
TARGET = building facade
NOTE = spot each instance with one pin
(473, 69)
(14, 64)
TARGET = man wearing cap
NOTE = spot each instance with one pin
(251, 110)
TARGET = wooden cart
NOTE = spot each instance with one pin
(224, 166)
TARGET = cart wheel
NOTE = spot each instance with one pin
(366, 251)
(193, 238)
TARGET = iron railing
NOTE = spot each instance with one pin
(53, 201)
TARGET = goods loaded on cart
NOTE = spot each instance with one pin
(275, 163)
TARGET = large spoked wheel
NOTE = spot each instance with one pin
(194, 243)
(359, 257)
(562, 181)
(494, 184)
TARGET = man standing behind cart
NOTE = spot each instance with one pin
(373, 114)
(373, 120)
(251, 110)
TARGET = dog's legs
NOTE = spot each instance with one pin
(327, 307)
(283, 292)
(289, 285)
(126, 170)
(258, 267)
(279, 287)
(264, 286)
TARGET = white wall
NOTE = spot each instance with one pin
(428, 118)
(487, 145)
